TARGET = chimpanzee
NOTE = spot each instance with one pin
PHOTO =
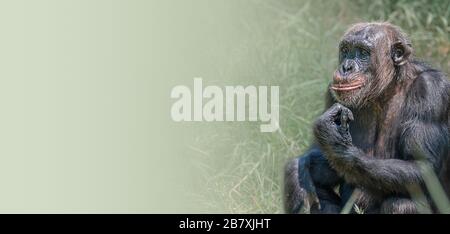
(386, 112)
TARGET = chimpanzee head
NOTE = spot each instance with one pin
(370, 56)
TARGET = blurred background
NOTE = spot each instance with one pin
(85, 97)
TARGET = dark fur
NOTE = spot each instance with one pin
(403, 113)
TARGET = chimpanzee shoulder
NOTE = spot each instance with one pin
(424, 124)
(428, 97)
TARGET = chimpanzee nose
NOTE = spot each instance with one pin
(347, 67)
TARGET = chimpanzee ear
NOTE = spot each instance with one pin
(401, 52)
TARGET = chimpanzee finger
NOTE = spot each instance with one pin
(350, 115)
(346, 116)
(334, 112)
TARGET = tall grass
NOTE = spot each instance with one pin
(293, 44)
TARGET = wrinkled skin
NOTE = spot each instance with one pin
(384, 108)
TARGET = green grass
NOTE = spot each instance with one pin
(293, 44)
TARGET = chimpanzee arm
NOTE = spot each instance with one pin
(428, 139)
(380, 175)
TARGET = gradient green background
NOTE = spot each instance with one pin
(85, 86)
(85, 108)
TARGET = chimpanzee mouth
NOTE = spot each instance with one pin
(347, 86)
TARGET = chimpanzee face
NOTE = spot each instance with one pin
(368, 56)
(353, 58)
(353, 72)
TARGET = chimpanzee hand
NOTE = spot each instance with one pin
(332, 128)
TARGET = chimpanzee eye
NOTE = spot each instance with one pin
(399, 52)
(344, 51)
(365, 53)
